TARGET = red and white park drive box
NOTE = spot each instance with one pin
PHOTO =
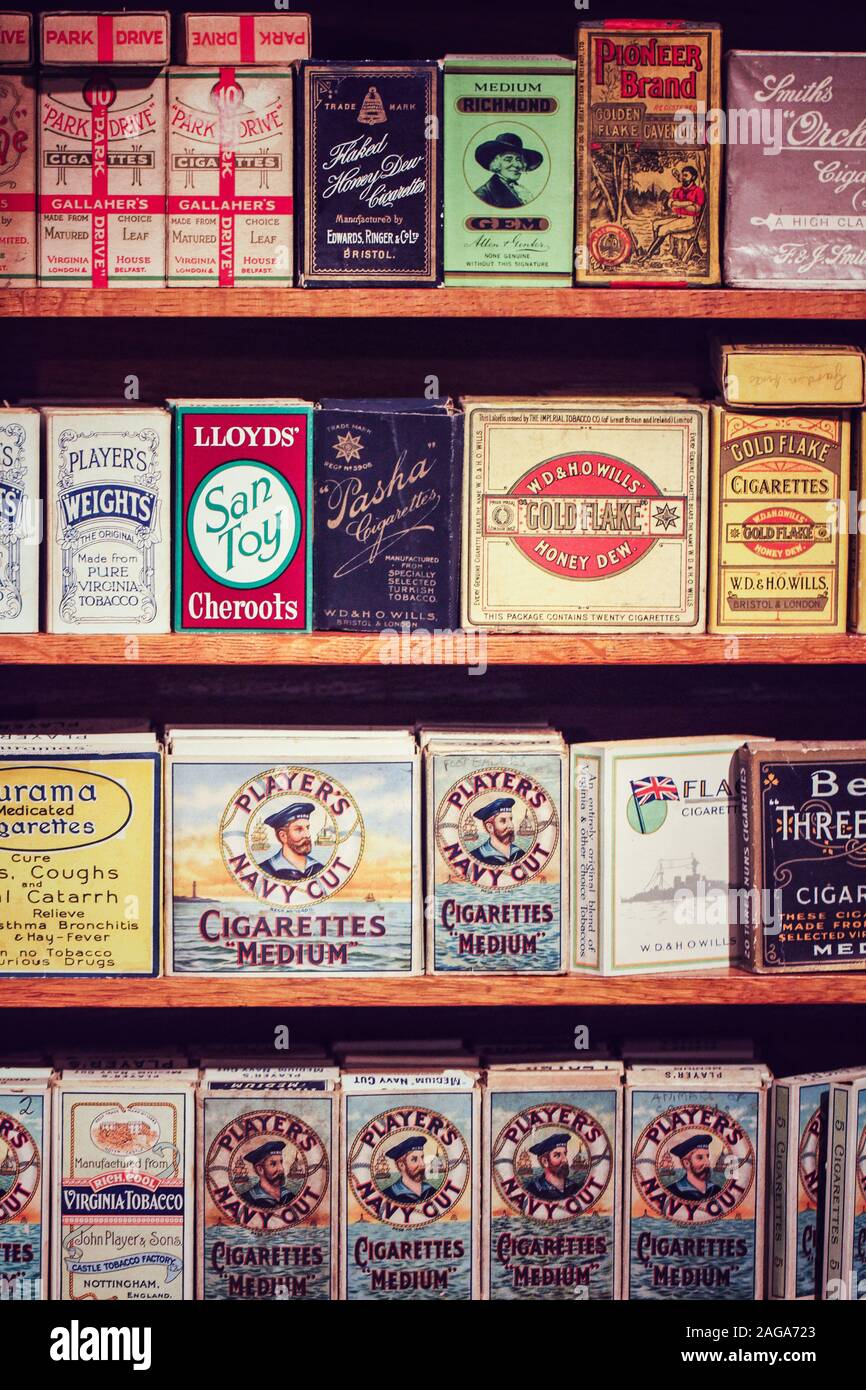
(75, 38)
(17, 180)
(246, 38)
(230, 175)
(16, 39)
(102, 178)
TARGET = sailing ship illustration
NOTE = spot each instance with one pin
(672, 876)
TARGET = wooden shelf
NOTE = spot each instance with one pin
(629, 303)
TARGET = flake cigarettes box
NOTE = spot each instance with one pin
(19, 519)
(16, 39)
(552, 1181)
(25, 1151)
(17, 180)
(102, 178)
(123, 1186)
(696, 1148)
(508, 170)
(242, 553)
(648, 188)
(230, 173)
(781, 374)
(275, 38)
(582, 514)
(411, 1185)
(107, 519)
(139, 38)
(844, 1267)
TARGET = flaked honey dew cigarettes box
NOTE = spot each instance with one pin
(230, 173)
(20, 523)
(25, 1151)
(778, 533)
(138, 38)
(17, 180)
(16, 39)
(274, 38)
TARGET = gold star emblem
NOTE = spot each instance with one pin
(348, 446)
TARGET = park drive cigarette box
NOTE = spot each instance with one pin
(508, 170)
(582, 514)
(25, 1148)
(16, 39)
(370, 207)
(293, 853)
(695, 1196)
(652, 827)
(648, 177)
(844, 1262)
(268, 1185)
(242, 545)
(230, 173)
(17, 180)
(20, 519)
(795, 164)
(137, 38)
(102, 181)
(410, 1172)
(80, 851)
(497, 853)
(780, 374)
(123, 1186)
(107, 489)
(276, 38)
(778, 538)
(802, 860)
(552, 1182)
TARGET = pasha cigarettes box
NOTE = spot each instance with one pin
(123, 1186)
(268, 1189)
(497, 855)
(25, 1148)
(552, 1184)
(17, 180)
(508, 170)
(651, 832)
(844, 1254)
(230, 173)
(387, 495)
(16, 39)
(243, 537)
(275, 38)
(779, 374)
(138, 38)
(107, 519)
(370, 212)
(582, 514)
(102, 138)
(778, 542)
(648, 178)
(80, 850)
(411, 1185)
(802, 864)
(795, 222)
(695, 1182)
(293, 854)
(20, 520)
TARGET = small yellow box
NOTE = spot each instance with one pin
(786, 374)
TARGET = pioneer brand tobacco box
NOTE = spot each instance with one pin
(16, 39)
(370, 207)
(274, 38)
(584, 514)
(137, 38)
(25, 1153)
(844, 1253)
(19, 519)
(509, 170)
(778, 536)
(648, 178)
(782, 374)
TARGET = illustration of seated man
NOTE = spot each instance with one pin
(498, 822)
(696, 1184)
(411, 1186)
(294, 859)
(270, 1188)
(555, 1181)
(685, 205)
(507, 160)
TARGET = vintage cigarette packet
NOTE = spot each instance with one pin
(25, 1151)
(230, 173)
(648, 177)
(275, 38)
(80, 849)
(778, 536)
(508, 170)
(581, 514)
(497, 855)
(137, 38)
(695, 1196)
(107, 523)
(653, 873)
(410, 1173)
(123, 1187)
(268, 1185)
(20, 520)
(802, 863)
(243, 539)
(102, 178)
(858, 567)
(17, 180)
(387, 488)
(371, 208)
(782, 374)
(16, 39)
(552, 1181)
(290, 854)
(844, 1254)
(796, 218)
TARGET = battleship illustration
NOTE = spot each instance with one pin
(672, 876)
